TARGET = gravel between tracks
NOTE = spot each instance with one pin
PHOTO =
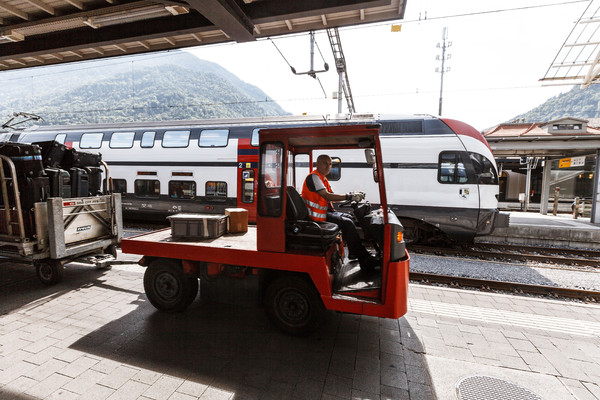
(504, 271)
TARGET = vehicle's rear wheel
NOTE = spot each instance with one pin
(167, 287)
(294, 305)
(193, 290)
(50, 272)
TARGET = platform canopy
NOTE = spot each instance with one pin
(44, 32)
(578, 60)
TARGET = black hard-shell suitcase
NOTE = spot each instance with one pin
(60, 182)
(26, 157)
(95, 180)
(32, 190)
(53, 152)
(76, 158)
(79, 182)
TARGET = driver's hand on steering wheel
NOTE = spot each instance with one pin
(357, 196)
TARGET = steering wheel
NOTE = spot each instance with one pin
(345, 203)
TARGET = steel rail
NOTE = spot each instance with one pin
(483, 253)
(585, 295)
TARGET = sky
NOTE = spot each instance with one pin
(499, 51)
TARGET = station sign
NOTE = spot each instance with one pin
(571, 162)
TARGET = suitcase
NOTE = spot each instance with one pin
(95, 180)
(26, 157)
(197, 226)
(53, 153)
(60, 182)
(75, 158)
(79, 182)
(32, 190)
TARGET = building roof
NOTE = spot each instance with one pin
(540, 140)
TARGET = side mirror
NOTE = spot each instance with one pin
(370, 156)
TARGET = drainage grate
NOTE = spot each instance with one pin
(481, 387)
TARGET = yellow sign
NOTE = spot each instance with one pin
(571, 162)
(396, 28)
(564, 163)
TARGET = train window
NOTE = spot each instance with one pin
(61, 137)
(247, 186)
(91, 141)
(485, 171)
(182, 189)
(147, 188)
(148, 139)
(216, 191)
(255, 139)
(451, 168)
(119, 186)
(336, 169)
(121, 140)
(176, 139)
(214, 138)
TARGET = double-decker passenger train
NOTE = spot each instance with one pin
(440, 174)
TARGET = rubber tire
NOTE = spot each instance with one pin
(49, 272)
(167, 287)
(193, 290)
(112, 250)
(293, 304)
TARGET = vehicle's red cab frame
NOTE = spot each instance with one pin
(263, 248)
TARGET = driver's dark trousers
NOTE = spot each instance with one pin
(349, 233)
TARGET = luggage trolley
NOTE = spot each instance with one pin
(56, 231)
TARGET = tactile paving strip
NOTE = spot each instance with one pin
(481, 387)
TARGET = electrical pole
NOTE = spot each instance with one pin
(443, 69)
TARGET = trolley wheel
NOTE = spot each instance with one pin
(50, 272)
(112, 250)
(167, 287)
(294, 305)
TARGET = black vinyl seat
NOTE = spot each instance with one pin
(302, 233)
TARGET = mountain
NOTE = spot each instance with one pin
(576, 103)
(155, 87)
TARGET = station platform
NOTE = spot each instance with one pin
(95, 336)
(535, 229)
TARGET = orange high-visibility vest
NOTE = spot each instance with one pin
(316, 204)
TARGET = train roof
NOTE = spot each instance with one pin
(253, 121)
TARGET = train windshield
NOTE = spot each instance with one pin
(484, 169)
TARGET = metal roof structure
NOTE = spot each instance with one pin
(578, 60)
(45, 32)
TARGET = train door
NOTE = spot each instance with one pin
(247, 164)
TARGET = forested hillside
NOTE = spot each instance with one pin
(576, 103)
(169, 86)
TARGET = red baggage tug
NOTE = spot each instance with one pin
(296, 267)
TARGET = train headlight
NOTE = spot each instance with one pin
(399, 237)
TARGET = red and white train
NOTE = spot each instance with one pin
(441, 175)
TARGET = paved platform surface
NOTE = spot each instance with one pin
(95, 336)
(535, 229)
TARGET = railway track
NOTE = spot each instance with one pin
(511, 287)
(572, 257)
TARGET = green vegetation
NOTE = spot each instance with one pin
(157, 87)
(576, 103)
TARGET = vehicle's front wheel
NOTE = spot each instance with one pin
(50, 272)
(294, 305)
(167, 287)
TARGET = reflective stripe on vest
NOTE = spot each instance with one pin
(316, 204)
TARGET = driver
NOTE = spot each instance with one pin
(318, 195)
